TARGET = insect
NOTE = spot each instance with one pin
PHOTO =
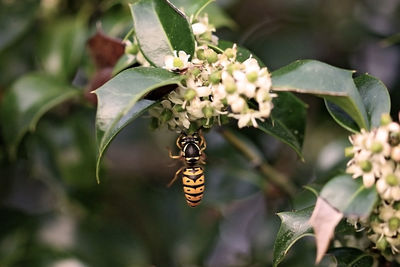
(191, 153)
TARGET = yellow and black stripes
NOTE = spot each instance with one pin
(193, 185)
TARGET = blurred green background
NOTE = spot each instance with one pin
(52, 211)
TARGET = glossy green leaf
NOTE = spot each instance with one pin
(160, 29)
(62, 47)
(287, 121)
(375, 98)
(15, 20)
(118, 101)
(349, 196)
(333, 84)
(29, 98)
(351, 257)
(294, 226)
(192, 7)
(126, 61)
(288, 117)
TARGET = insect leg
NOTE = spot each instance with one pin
(172, 156)
(175, 177)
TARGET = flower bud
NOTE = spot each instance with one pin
(229, 52)
(178, 108)
(215, 77)
(195, 72)
(395, 154)
(385, 119)
(132, 49)
(166, 115)
(252, 76)
(382, 244)
(208, 112)
(349, 152)
(394, 223)
(211, 56)
(200, 54)
(376, 147)
(230, 87)
(232, 67)
(391, 180)
(189, 94)
(366, 166)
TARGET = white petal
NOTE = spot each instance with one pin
(199, 28)
(368, 179)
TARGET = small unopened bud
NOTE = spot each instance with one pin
(178, 108)
(132, 49)
(229, 52)
(252, 76)
(385, 119)
(394, 223)
(195, 72)
(206, 36)
(215, 77)
(382, 244)
(189, 94)
(376, 147)
(349, 152)
(391, 180)
(395, 154)
(232, 67)
(166, 115)
(208, 112)
(178, 63)
(230, 87)
(366, 166)
(211, 56)
(200, 54)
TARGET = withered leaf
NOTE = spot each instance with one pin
(324, 220)
(105, 50)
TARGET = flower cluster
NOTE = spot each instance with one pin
(216, 86)
(376, 158)
(384, 228)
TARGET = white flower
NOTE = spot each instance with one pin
(177, 61)
(237, 103)
(199, 28)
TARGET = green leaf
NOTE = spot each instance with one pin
(288, 117)
(118, 101)
(349, 196)
(160, 29)
(218, 17)
(293, 227)
(193, 7)
(126, 61)
(15, 20)
(375, 98)
(287, 121)
(333, 84)
(62, 47)
(29, 98)
(351, 257)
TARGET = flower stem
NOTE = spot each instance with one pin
(277, 178)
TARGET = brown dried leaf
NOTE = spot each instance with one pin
(105, 50)
(324, 220)
(100, 78)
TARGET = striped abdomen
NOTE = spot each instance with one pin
(193, 185)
